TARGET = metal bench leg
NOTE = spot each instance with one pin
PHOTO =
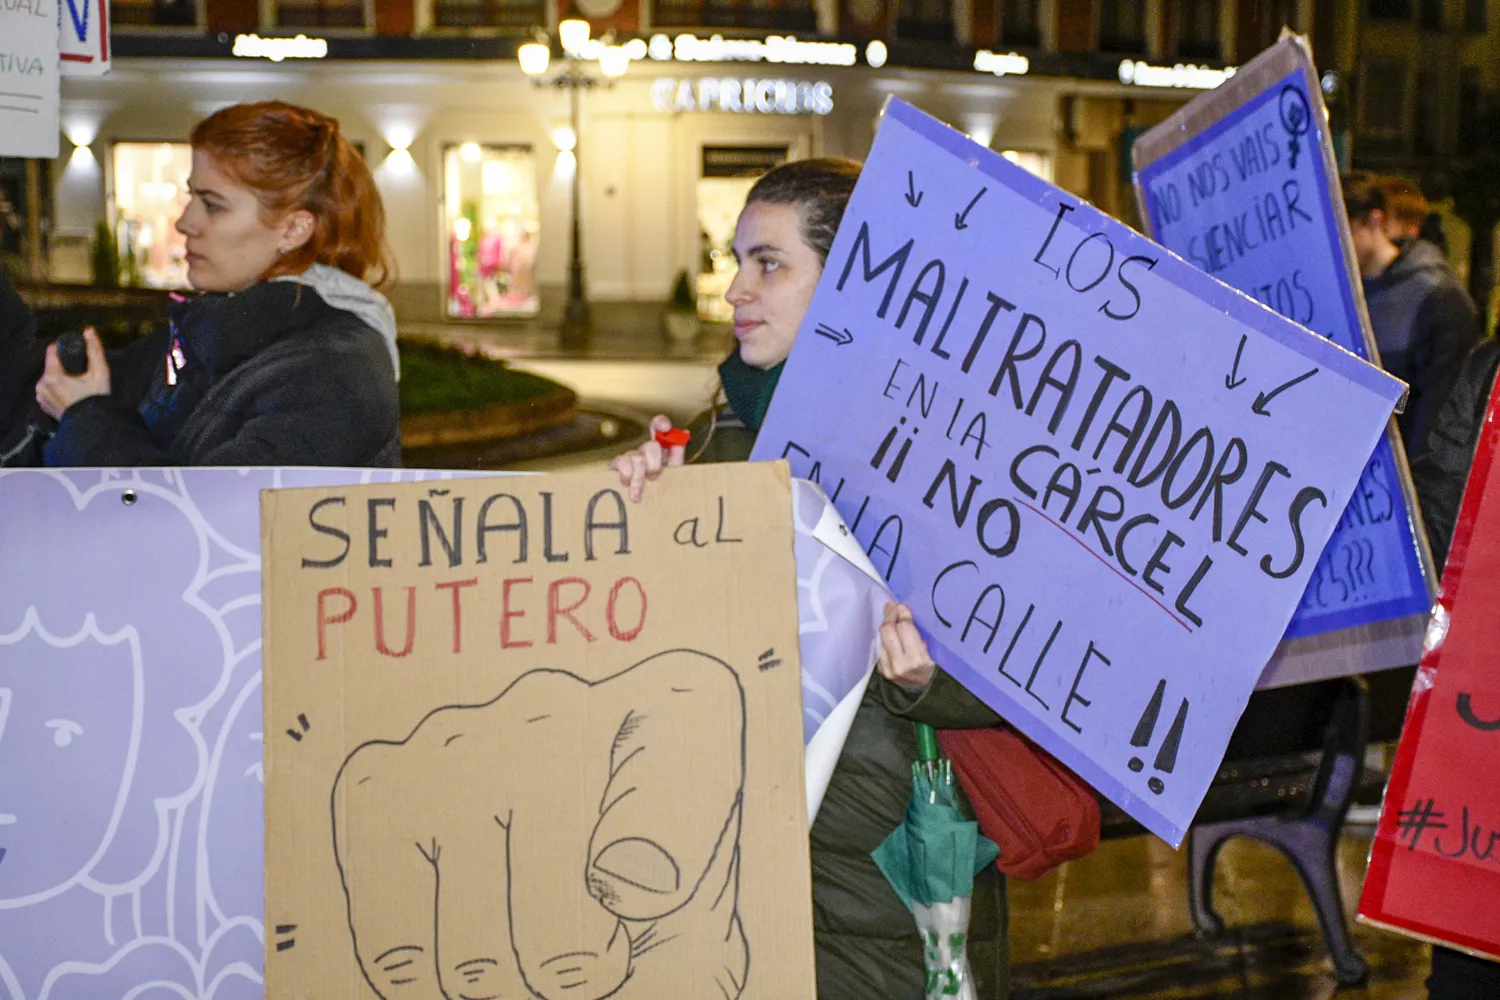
(1203, 845)
(1308, 838)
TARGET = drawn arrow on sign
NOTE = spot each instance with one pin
(913, 196)
(961, 221)
(839, 337)
(1230, 382)
(1262, 398)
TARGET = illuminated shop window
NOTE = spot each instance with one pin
(1033, 162)
(150, 192)
(728, 173)
(491, 224)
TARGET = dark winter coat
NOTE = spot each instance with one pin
(867, 942)
(273, 375)
(1441, 471)
(1424, 325)
(20, 366)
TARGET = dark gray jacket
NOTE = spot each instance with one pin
(274, 375)
(1441, 472)
(1424, 325)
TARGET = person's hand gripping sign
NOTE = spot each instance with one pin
(564, 840)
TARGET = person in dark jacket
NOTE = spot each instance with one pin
(20, 358)
(867, 941)
(1424, 322)
(288, 357)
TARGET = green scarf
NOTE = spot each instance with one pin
(749, 389)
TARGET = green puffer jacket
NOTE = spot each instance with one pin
(867, 942)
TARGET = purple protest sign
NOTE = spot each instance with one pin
(1099, 534)
(132, 807)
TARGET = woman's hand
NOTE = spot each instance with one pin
(904, 660)
(56, 390)
(647, 461)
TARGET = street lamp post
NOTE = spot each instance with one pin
(578, 51)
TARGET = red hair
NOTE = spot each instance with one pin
(295, 158)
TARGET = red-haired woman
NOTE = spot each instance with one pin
(289, 356)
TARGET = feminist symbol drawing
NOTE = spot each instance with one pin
(1296, 118)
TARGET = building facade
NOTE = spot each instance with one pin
(476, 161)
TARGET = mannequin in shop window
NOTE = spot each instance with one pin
(288, 355)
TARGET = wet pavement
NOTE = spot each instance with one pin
(1116, 924)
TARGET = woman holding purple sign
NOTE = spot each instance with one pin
(867, 945)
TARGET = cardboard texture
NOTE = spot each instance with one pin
(533, 740)
(1243, 183)
(1434, 869)
(1097, 535)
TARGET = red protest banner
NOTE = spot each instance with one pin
(1435, 867)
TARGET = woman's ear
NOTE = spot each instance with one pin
(296, 229)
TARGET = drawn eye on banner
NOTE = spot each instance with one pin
(1241, 182)
(1098, 536)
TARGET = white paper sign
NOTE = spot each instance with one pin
(83, 37)
(28, 78)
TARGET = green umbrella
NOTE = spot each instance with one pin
(931, 860)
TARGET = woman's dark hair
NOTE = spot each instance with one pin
(818, 188)
(1363, 194)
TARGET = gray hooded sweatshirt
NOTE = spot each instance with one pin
(344, 291)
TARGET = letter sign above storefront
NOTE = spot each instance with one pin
(747, 96)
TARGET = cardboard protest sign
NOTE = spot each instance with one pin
(533, 739)
(1434, 868)
(1030, 434)
(1242, 182)
(28, 78)
(83, 37)
(125, 869)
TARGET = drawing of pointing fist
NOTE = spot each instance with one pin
(565, 840)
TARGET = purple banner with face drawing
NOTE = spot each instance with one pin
(131, 798)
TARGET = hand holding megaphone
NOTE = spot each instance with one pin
(75, 369)
(72, 352)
